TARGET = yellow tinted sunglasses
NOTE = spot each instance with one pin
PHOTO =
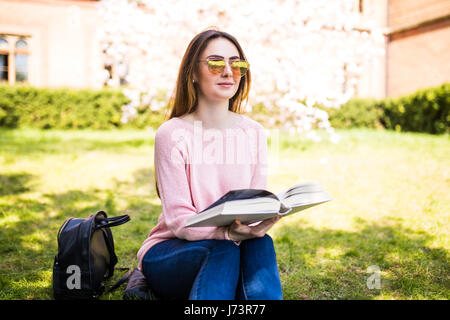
(238, 67)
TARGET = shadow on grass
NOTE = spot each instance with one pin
(28, 240)
(314, 263)
(333, 264)
(15, 183)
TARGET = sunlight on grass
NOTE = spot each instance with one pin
(391, 208)
(33, 288)
(35, 241)
(9, 219)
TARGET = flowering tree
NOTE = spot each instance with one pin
(302, 53)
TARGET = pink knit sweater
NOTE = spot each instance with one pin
(195, 166)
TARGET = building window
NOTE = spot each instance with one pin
(21, 60)
(4, 57)
(14, 52)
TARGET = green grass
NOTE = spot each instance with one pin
(391, 208)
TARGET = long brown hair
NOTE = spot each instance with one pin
(186, 94)
(185, 98)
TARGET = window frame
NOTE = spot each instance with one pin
(6, 52)
(11, 52)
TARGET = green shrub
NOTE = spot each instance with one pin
(8, 116)
(60, 108)
(146, 117)
(356, 113)
(46, 108)
(426, 110)
(423, 111)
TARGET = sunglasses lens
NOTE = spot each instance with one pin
(239, 68)
(216, 66)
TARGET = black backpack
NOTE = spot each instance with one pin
(85, 257)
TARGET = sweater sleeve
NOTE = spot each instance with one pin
(260, 173)
(174, 190)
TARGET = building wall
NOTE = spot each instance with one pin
(419, 58)
(419, 47)
(64, 50)
(64, 47)
(407, 12)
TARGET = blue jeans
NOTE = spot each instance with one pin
(213, 270)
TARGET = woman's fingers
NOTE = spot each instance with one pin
(261, 229)
(243, 231)
(269, 222)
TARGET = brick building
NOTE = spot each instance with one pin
(54, 43)
(50, 43)
(418, 45)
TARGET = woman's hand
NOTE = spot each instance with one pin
(239, 232)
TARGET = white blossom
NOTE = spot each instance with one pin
(302, 53)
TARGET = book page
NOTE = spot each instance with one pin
(301, 188)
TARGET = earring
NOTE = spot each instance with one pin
(193, 80)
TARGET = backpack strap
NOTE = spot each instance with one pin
(112, 222)
(122, 280)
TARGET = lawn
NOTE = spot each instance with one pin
(390, 210)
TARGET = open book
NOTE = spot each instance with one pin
(253, 205)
